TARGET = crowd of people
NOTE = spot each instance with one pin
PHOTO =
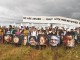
(36, 37)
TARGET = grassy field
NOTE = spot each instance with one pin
(9, 52)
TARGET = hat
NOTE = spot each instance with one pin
(55, 37)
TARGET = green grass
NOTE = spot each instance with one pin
(9, 52)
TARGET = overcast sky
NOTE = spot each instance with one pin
(15, 9)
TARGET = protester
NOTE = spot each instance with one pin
(43, 37)
(55, 40)
(69, 41)
(42, 41)
(1, 35)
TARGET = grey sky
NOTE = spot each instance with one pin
(15, 9)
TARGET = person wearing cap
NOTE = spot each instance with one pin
(55, 40)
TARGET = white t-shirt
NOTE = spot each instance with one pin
(34, 33)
